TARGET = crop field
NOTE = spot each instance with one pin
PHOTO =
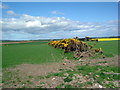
(108, 39)
(34, 53)
(110, 48)
(41, 52)
(43, 66)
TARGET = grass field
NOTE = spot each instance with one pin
(110, 48)
(41, 52)
(35, 53)
(93, 73)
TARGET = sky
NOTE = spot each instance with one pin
(49, 20)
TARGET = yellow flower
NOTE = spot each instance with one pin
(100, 49)
(65, 45)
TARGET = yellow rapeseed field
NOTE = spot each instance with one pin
(108, 39)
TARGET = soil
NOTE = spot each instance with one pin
(44, 69)
(52, 82)
(20, 42)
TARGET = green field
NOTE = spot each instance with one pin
(41, 52)
(35, 53)
(110, 48)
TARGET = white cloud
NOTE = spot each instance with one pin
(11, 13)
(39, 27)
(3, 6)
(57, 13)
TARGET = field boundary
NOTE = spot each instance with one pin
(21, 42)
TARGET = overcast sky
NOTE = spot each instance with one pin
(37, 20)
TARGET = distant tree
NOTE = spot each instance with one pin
(76, 37)
(87, 38)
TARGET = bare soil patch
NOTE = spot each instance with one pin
(103, 61)
(31, 75)
(16, 42)
(20, 42)
(44, 69)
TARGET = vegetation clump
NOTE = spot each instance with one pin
(80, 48)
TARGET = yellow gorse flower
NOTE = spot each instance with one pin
(72, 45)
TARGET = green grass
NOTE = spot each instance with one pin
(99, 73)
(0, 57)
(60, 85)
(87, 69)
(110, 85)
(33, 53)
(110, 48)
(67, 79)
(69, 86)
(41, 52)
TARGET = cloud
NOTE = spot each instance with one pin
(3, 6)
(39, 27)
(57, 13)
(11, 13)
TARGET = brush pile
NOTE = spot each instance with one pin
(80, 48)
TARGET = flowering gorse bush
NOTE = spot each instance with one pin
(74, 45)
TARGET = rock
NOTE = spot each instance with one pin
(53, 78)
(64, 64)
(100, 86)
(66, 74)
